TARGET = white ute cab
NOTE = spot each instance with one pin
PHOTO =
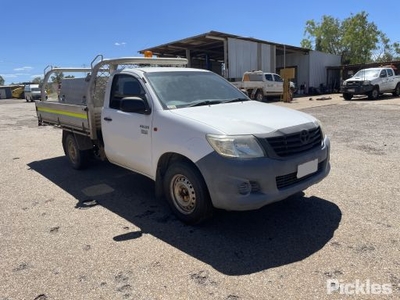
(204, 143)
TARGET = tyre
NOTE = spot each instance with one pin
(347, 96)
(396, 91)
(251, 95)
(374, 94)
(187, 193)
(260, 96)
(78, 159)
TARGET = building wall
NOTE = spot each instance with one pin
(319, 62)
(299, 61)
(5, 92)
(242, 57)
(214, 66)
(246, 56)
(311, 68)
(268, 63)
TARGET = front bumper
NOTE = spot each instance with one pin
(356, 90)
(239, 184)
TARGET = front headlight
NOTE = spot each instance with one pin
(367, 82)
(318, 123)
(243, 146)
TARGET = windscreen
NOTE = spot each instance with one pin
(367, 74)
(187, 88)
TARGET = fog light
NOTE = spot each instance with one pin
(244, 188)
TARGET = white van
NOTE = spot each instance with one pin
(32, 92)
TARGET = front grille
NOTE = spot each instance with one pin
(354, 83)
(291, 179)
(294, 143)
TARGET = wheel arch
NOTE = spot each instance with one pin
(77, 148)
(253, 92)
(375, 92)
(84, 142)
(164, 162)
(183, 186)
(396, 91)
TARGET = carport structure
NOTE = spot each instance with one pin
(229, 55)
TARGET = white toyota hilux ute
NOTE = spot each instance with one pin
(204, 143)
(371, 82)
(259, 85)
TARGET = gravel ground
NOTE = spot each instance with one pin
(101, 234)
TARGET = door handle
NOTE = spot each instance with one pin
(107, 119)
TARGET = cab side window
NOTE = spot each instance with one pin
(124, 86)
(269, 77)
(278, 78)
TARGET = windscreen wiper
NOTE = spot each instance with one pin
(236, 100)
(205, 102)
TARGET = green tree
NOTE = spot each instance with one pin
(57, 77)
(37, 80)
(324, 36)
(1, 80)
(385, 51)
(355, 38)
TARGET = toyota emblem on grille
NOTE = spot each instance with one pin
(304, 136)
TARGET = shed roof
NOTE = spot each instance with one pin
(210, 43)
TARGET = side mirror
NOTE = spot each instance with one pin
(135, 105)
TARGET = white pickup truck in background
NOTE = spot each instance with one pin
(32, 92)
(204, 143)
(259, 85)
(371, 82)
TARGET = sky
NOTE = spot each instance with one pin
(70, 33)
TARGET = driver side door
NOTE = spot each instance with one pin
(127, 135)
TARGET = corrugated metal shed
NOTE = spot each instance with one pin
(318, 76)
(226, 54)
(5, 92)
(212, 44)
(231, 55)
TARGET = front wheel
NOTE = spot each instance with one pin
(187, 193)
(374, 94)
(347, 96)
(78, 159)
(396, 92)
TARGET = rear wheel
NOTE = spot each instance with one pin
(347, 96)
(396, 91)
(187, 193)
(374, 94)
(78, 159)
(260, 96)
(251, 94)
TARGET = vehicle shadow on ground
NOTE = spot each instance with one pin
(234, 243)
(362, 98)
